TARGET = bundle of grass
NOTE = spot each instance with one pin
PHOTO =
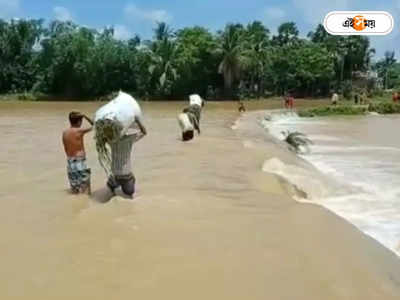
(106, 131)
(297, 141)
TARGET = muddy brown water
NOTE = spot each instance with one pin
(206, 223)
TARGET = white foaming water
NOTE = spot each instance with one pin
(362, 155)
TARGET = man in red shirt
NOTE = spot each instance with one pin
(291, 101)
(395, 97)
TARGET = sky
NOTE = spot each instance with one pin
(131, 17)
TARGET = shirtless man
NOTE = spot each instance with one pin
(78, 172)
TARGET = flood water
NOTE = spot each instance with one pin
(362, 156)
(207, 223)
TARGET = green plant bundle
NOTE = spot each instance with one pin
(296, 140)
(106, 132)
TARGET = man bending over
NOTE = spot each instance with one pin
(189, 119)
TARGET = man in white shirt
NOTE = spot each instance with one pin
(335, 99)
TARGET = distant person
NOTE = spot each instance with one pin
(395, 97)
(363, 98)
(78, 172)
(286, 101)
(189, 119)
(335, 99)
(356, 99)
(291, 101)
(241, 108)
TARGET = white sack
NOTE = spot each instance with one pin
(195, 100)
(123, 110)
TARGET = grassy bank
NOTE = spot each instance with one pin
(385, 108)
(347, 110)
(333, 110)
(25, 97)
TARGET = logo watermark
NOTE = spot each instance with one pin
(359, 23)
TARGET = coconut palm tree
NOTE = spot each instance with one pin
(287, 34)
(230, 48)
(385, 65)
(165, 63)
(162, 32)
(162, 56)
(257, 53)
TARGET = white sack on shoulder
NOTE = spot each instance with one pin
(124, 110)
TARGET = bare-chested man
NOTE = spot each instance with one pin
(78, 172)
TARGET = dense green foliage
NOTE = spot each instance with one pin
(65, 59)
(389, 70)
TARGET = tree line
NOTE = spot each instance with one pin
(240, 61)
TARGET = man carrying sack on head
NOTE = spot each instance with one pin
(118, 126)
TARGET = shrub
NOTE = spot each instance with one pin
(385, 108)
(333, 110)
(347, 89)
(27, 96)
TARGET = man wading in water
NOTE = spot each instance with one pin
(189, 119)
(121, 166)
(78, 172)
